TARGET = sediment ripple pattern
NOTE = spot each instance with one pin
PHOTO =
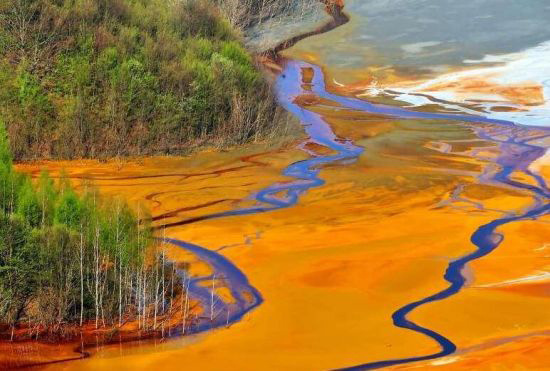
(516, 155)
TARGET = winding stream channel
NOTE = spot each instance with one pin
(517, 156)
(494, 154)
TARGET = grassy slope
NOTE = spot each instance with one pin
(99, 78)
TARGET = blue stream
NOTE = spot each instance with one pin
(228, 275)
(290, 84)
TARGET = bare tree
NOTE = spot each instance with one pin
(212, 297)
(81, 275)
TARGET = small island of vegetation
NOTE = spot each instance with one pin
(68, 259)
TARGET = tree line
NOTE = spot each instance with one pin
(104, 78)
(69, 259)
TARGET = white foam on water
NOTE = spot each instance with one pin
(445, 360)
(540, 162)
(531, 66)
(536, 277)
(416, 48)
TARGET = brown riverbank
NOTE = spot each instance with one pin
(32, 346)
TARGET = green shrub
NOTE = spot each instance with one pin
(69, 211)
(235, 52)
(28, 205)
(18, 268)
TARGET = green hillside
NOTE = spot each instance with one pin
(102, 78)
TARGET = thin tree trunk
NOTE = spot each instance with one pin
(138, 296)
(212, 298)
(171, 297)
(81, 276)
(119, 269)
(156, 294)
(144, 298)
(163, 295)
(96, 253)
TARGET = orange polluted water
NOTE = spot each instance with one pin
(377, 235)
(333, 268)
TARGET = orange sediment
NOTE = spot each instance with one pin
(333, 269)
